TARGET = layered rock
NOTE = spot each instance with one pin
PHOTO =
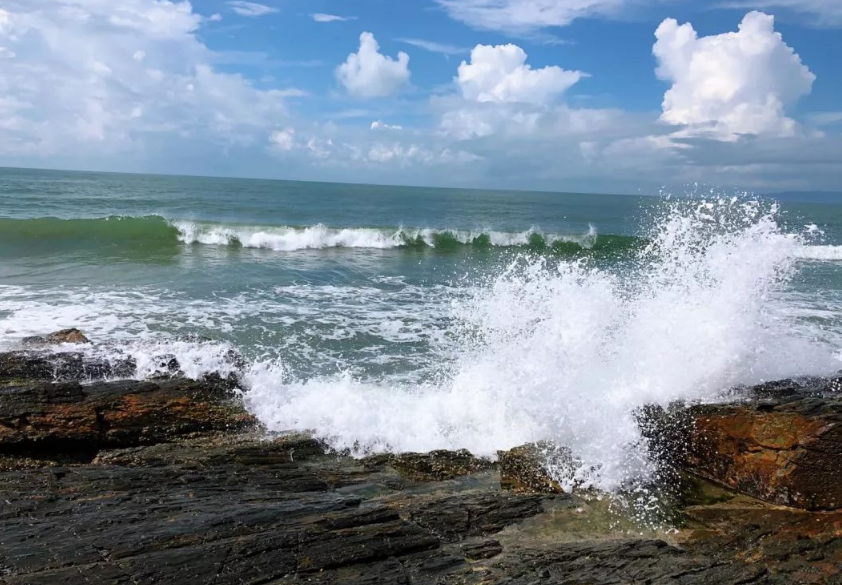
(783, 445)
(143, 482)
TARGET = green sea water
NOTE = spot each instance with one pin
(372, 313)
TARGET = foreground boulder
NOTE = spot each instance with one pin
(528, 468)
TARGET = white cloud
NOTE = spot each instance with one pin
(283, 140)
(6, 53)
(500, 74)
(730, 84)
(434, 47)
(251, 9)
(369, 74)
(96, 77)
(521, 16)
(322, 17)
(378, 125)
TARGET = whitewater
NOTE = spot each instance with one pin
(392, 320)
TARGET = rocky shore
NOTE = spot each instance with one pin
(104, 479)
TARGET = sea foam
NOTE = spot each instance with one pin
(568, 352)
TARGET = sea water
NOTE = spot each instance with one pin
(411, 319)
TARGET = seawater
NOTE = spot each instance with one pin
(410, 319)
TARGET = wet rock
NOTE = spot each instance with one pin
(24, 367)
(172, 495)
(782, 442)
(69, 419)
(434, 466)
(528, 468)
(455, 517)
(64, 336)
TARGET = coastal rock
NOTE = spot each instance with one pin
(782, 442)
(788, 454)
(69, 419)
(23, 367)
(528, 468)
(168, 492)
(72, 335)
(434, 466)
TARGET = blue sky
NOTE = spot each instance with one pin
(568, 95)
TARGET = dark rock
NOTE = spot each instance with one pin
(24, 367)
(433, 466)
(172, 496)
(455, 517)
(484, 549)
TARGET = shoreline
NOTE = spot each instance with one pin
(171, 480)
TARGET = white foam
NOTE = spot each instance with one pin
(568, 352)
(821, 253)
(287, 239)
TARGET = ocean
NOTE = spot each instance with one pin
(411, 319)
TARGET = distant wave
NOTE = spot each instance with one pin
(154, 231)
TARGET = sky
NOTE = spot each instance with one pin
(617, 96)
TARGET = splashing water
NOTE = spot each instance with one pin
(567, 351)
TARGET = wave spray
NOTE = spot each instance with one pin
(567, 352)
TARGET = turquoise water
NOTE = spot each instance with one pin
(410, 318)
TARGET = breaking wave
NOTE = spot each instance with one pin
(154, 232)
(567, 352)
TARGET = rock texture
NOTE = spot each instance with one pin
(783, 445)
(176, 485)
(526, 468)
(63, 336)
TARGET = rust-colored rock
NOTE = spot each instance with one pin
(781, 442)
(789, 454)
(69, 418)
(72, 335)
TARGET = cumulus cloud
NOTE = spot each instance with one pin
(500, 74)
(522, 16)
(322, 17)
(370, 74)
(251, 9)
(733, 83)
(95, 76)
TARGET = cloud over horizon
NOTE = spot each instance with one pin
(136, 85)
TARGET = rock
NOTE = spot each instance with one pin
(527, 468)
(69, 419)
(22, 367)
(168, 492)
(454, 518)
(484, 549)
(434, 466)
(64, 336)
(782, 442)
